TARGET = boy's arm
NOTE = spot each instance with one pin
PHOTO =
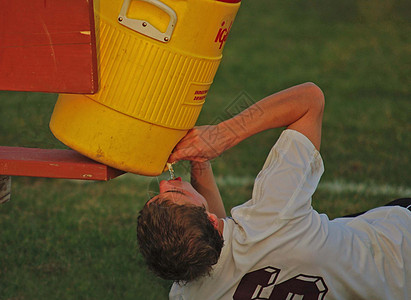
(299, 108)
(202, 179)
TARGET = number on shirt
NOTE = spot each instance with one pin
(260, 285)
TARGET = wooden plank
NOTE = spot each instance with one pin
(48, 46)
(52, 163)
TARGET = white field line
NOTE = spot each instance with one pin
(364, 188)
(335, 186)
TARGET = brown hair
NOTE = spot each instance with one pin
(178, 242)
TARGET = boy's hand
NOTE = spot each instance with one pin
(203, 143)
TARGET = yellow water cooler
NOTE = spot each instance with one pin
(157, 60)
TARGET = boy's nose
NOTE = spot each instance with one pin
(166, 185)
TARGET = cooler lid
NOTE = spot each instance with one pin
(230, 1)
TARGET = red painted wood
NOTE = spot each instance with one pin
(52, 163)
(48, 46)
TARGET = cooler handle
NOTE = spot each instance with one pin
(145, 27)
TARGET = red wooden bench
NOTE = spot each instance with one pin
(48, 46)
(51, 163)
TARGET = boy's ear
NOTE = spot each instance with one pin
(213, 219)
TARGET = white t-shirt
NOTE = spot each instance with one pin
(277, 246)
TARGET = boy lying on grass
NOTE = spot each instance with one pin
(275, 245)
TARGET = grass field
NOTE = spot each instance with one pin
(62, 239)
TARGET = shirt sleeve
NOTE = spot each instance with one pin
(283, 188)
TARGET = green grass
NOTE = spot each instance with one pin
(62, 239)
(71, 240)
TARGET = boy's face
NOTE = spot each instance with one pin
(180, 192)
